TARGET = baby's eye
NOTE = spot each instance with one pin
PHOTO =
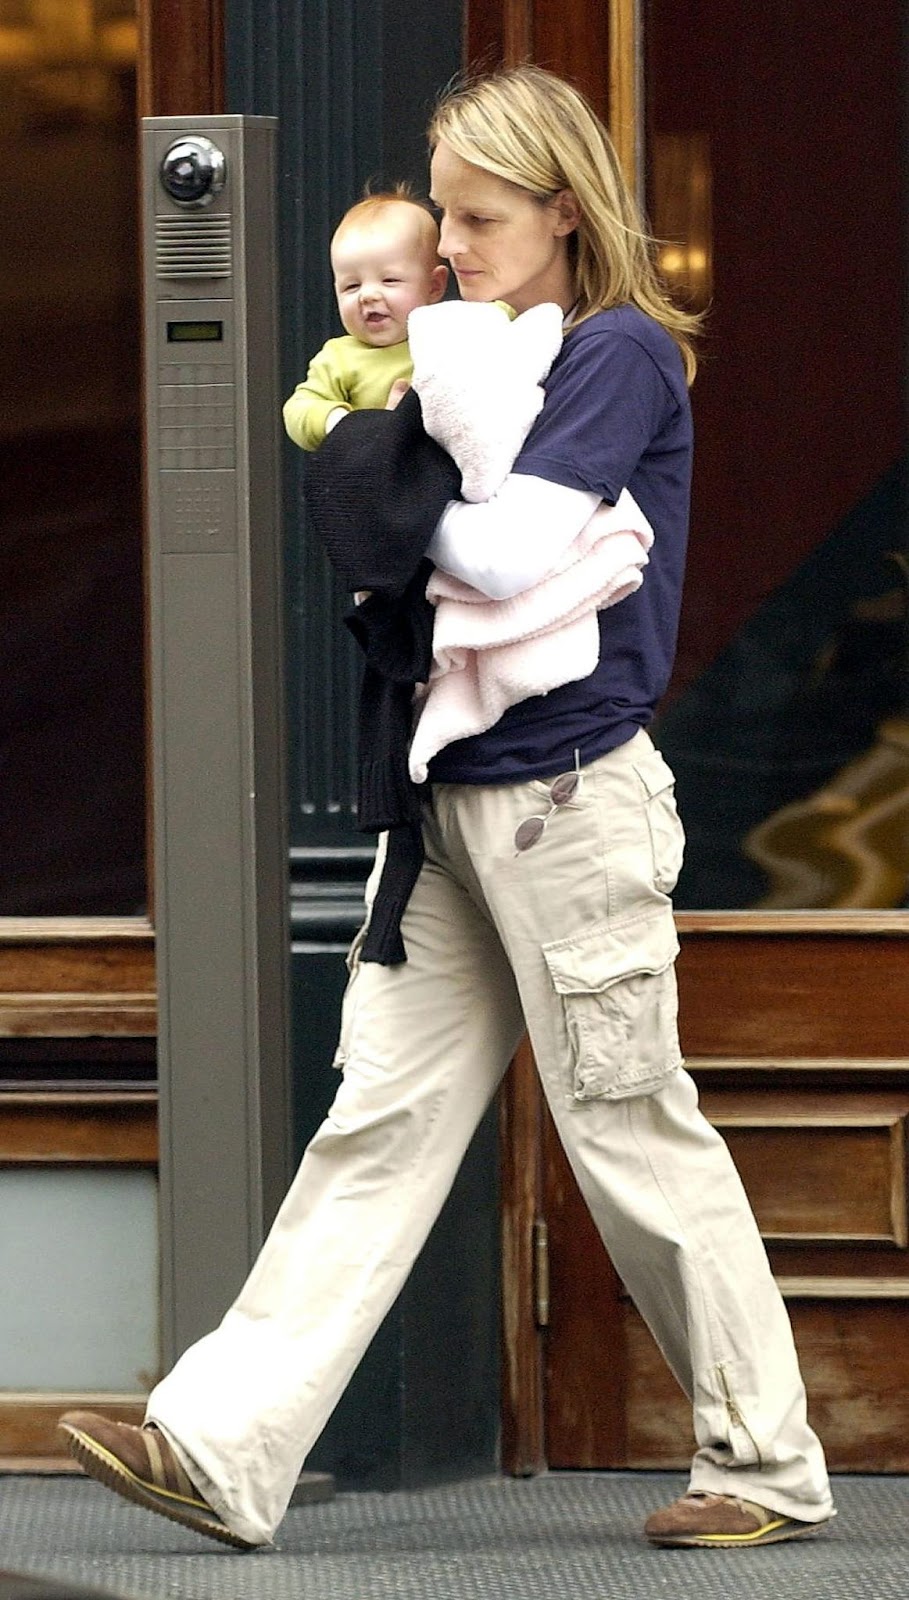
(391, 280)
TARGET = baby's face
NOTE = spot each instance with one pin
(382, 270)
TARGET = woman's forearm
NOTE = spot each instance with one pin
(507, 544)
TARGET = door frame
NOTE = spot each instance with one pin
(93, 978)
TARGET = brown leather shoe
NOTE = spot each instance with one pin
(139, 1464)
(722, 1520)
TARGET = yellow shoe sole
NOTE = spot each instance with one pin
(101, 1465)
(775, 1532)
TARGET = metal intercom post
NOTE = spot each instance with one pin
(220, 837)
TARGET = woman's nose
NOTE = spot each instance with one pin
(449, 245)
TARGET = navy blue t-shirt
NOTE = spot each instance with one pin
(616, 416)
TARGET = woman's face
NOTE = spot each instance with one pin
(502, 243)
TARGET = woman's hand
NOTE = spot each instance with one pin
(396, 393)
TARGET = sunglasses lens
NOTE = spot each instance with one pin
(564, 788)
(529, 832)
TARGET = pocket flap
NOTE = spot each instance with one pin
(591, 961)
(655, 774)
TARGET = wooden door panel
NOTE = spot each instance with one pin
(857, 1403)
(181, 57)
(570, 37)
(830, 1179)
(751, 991)
(825, 1175)
(585, 1352)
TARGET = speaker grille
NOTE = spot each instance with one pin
(192, 247)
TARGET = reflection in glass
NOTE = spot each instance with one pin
(782, 206)
(792, 748)
(71, 739)
(681, 196)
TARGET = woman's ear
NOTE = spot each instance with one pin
(567, 211)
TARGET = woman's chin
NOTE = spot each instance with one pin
(472, 289)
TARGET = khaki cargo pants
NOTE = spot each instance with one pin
(574, 938)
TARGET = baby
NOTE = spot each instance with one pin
(384, 256)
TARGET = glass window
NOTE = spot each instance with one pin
(72, 800)
(79, 1260)
(776, 177)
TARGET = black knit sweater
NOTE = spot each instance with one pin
(375, 491)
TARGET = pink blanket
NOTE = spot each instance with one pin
(489, 654)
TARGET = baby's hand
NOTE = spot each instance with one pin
(396, 393)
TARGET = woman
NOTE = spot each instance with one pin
(551, 846)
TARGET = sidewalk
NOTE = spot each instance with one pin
(567, 1536)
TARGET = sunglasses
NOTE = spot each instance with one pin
(561, 791)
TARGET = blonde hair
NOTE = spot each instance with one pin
(372, 205)
(534, 130)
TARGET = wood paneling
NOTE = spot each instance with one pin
(181, 57)
(841, 994)
(78, 1128)
(826, 1175)
(497, 33)
(624, 109)
(70, 976)
(823, 1179)
(583, 1349)
(573, 40)
(523, 1446)
(857, 1402)
(88, 978)
(28, 1426)
(567, 36)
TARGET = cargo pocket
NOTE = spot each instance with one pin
(617, 990)
(667, 836)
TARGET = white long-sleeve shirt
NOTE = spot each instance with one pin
(506, 544)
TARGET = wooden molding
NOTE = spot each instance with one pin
(181, 57)
(810, 1288)
(625, 88)
(70, 1016)
(523, 1442)
(819, 1065)
(28, 1424)
(78, 1127)
(77, 977)
(820, 1172)
(73, 930)
(801, 1119)
(857, 924)
(517, 31)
